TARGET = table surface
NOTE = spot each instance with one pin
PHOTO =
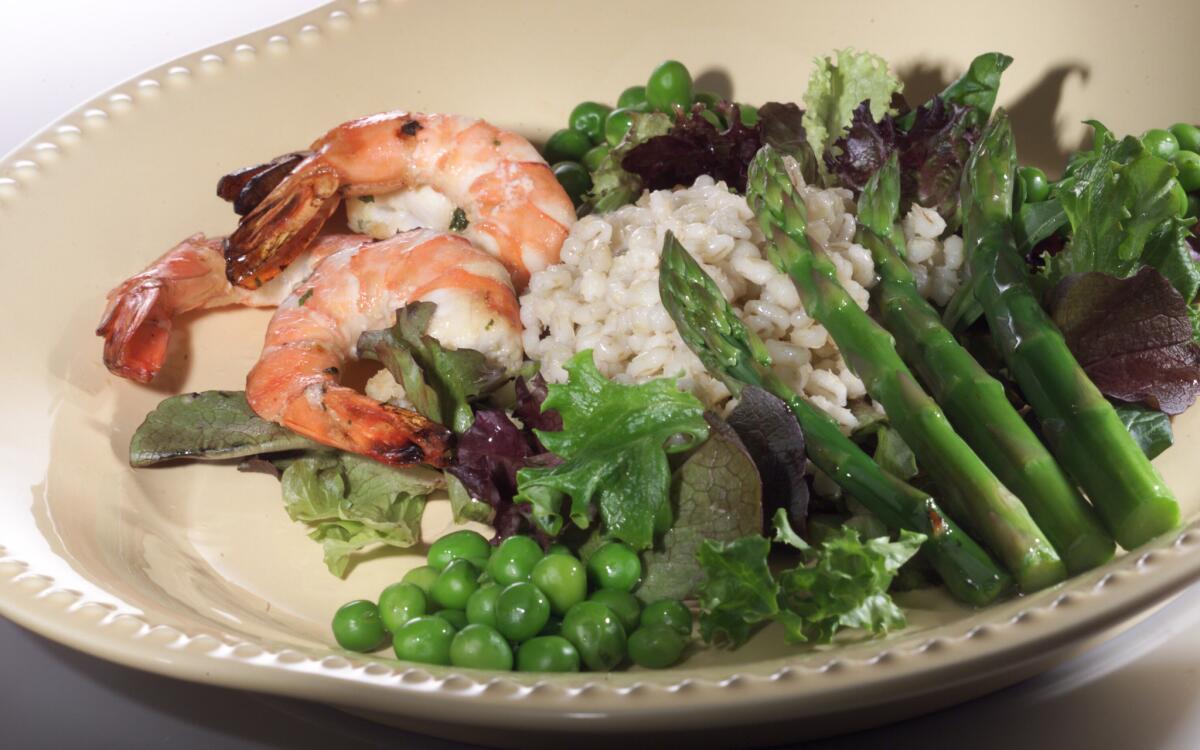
(1140, 690)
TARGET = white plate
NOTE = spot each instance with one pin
(196, 572)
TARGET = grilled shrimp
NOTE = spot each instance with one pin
(316, 330)
(137, 322)
(513, 206)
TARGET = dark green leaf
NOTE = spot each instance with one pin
(208, 426)
(614, 443)
(1038, 221)
(977, 87)
(738, 593)
(440, 382)
(1150, 428)
(1169, 252)
(458, 222)
(715, 494)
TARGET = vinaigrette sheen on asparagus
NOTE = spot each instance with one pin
(1080, 425)
(973, 494)
(733, 353)
(973, 400)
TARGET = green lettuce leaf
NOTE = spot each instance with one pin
(208, 426)
(1149, 428)
(715, 494)
(614, 442)
(355, 502)
(838, 85)
(1116, 196)
(841, 584)
(612, 186)
(440, 382)
(977, 87)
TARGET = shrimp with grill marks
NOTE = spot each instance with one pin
(513, 206)
(315, 331)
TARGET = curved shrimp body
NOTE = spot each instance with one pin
(513, 205)
(137, 322)
(316, 330)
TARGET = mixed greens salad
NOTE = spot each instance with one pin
(1020, 419)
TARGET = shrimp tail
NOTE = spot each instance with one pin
(281, 226)
(245, 188)
(349, 420)
(136, 327)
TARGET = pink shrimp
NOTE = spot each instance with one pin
(514, 207)
(316, 330)
(137, 323)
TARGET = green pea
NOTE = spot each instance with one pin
(455, 585)
(459, 545)
(713, 118)
(596, 633)
(656, 647)
(669, 86)
(423, 577)
(522, 610)
(633, 98)
(614, 566)
(547, 653)
(558, 548)
(400, 603)
(455, 617)
(591, 162)
(588, 118)
(1187, 136)
(574, 179)
(748, 114)
(617, 124)
(1188, 164)
(1034, 184)
(480, 647)
(514, 560)
(1161, 143)
(1180, 197)
(669, 612)
(424, 639)
(358, 627)
(623, 604)
(562, 579)
(481, 607)
(566, 145)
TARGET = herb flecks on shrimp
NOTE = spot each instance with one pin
(359, 289)
(514, 207)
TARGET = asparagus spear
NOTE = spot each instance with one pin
(969, 489)
(974, 401)
(1081, 427)
(736, 355)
